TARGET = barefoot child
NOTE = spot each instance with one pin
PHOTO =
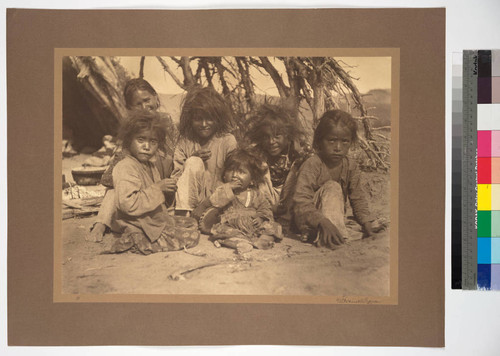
(326, 180)
(276, 136)
(139, 95)
(246, 219)
(139, 193)
(202, 148)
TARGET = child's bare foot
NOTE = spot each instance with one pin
(244, 247)
(240, 245)
(97, 233)
(264, 242)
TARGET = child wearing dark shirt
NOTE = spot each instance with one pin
(277, 138)
(326, 180)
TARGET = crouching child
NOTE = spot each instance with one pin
(326, 180)
(246, 217)
(140, 193)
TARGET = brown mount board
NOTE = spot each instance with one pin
(35, 318)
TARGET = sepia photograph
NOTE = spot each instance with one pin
(190, 176)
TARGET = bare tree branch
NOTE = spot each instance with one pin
(141, 67)
(283, 90)
(171, 73)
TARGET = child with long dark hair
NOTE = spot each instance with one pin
(142, 215)
(276, 134)
(139, 95)
(202, 148)
(325, 182)
(246, 219)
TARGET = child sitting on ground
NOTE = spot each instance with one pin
(139, 193)
(202, 148)
(277, 137)
(139, 95)
(326, 180)
(246, 219)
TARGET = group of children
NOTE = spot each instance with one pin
(232, 193)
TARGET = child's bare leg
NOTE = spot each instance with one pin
(104, 217)
(189, 184)
(329, 199)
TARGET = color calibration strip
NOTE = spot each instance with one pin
(488, 170)
(476, 179)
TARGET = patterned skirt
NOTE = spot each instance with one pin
(184, 234)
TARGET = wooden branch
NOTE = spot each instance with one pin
(167, 69)
(307, 93)
(381, 136)
(206, 69)
(197, 73)
(367, 148)
(365, 117)
(220, 71)
(141, 67)
(189, 80)
(283, 90)
(347, 80)
(176, 60)
(246, 80)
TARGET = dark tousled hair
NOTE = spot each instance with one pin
(133, 85)
(139, 121)
(278, 119)
(204, 102)
(249, 159)
(331, 119)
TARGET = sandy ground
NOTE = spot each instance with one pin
(360, 268)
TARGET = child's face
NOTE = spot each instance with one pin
(335, 144)
(204, 128)
(143, 100)
(274, 142)
(241, 174)
(144, 145)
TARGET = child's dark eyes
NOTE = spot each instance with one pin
(142, 140)
(344, 141)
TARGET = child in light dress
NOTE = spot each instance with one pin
(202, 148)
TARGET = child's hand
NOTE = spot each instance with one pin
(168, 185)
(203, 154)
(257, 221)
(235, 185)
(367, 230)
(329, 235)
